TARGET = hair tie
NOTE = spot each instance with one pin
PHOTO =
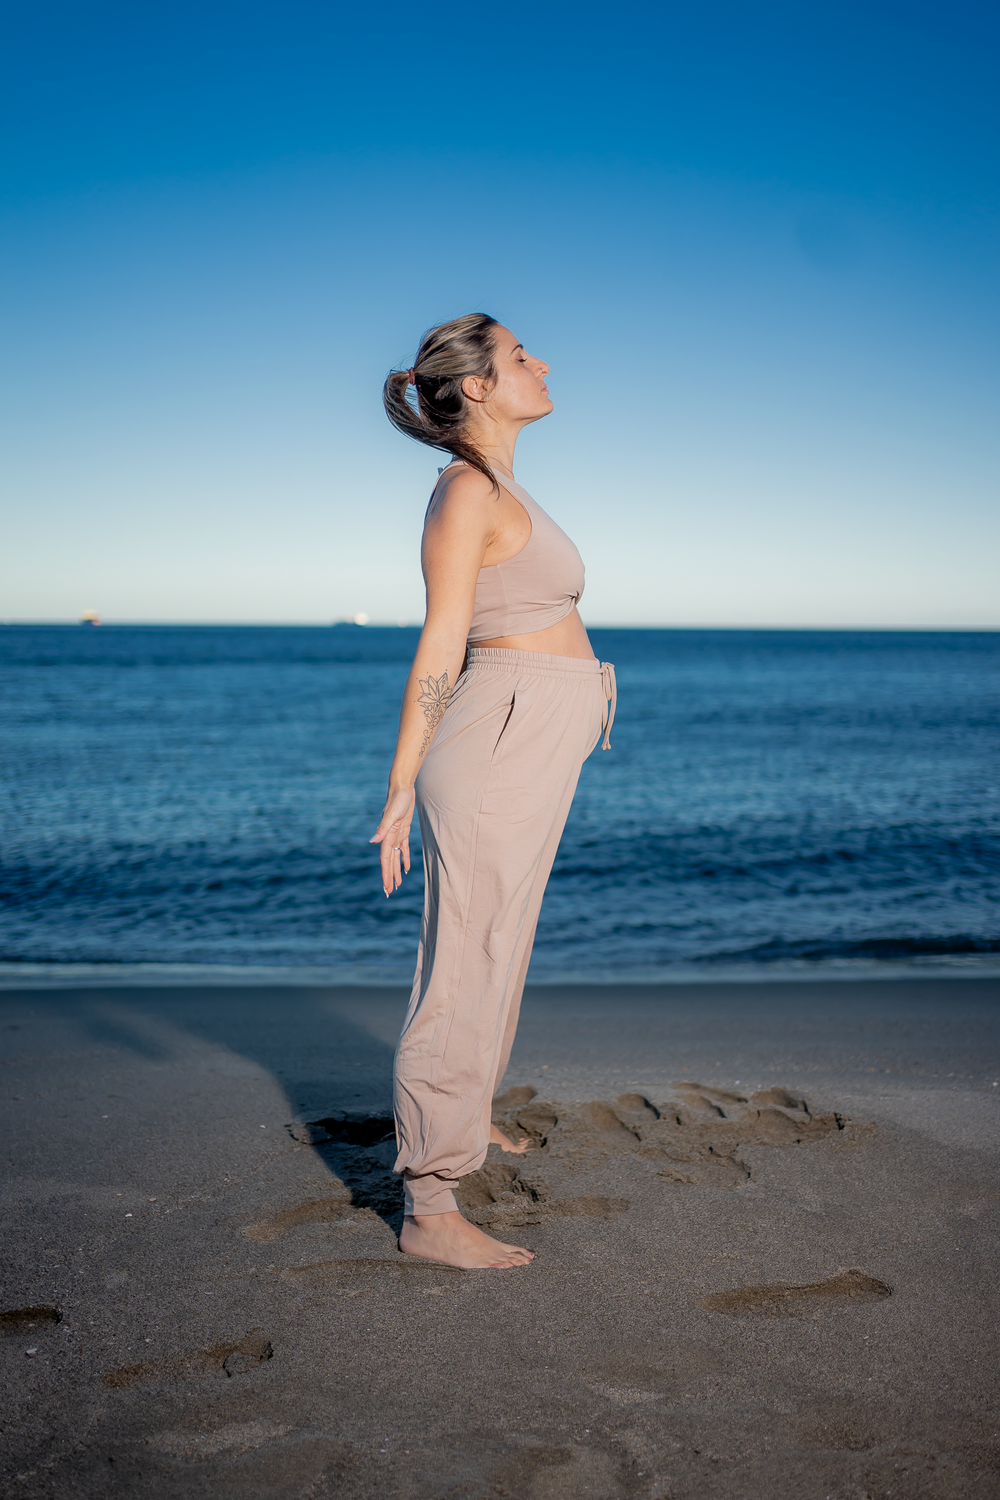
(413, 376)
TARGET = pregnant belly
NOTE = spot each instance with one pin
(568, 638)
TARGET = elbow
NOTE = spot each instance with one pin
(446, 641)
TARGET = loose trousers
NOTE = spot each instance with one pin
(492, 799)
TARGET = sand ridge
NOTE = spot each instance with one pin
(694, 1137)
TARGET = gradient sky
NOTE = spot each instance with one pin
(758, 247)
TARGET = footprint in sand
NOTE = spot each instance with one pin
(533, 1120)
(535, 1471)
(499, 1194)
(502, 1196)
(845, 1289)
(220, 1360)
(694, 1138)
(312, 1211)
(16, 1321)
(512, 1098)
(362, 1151)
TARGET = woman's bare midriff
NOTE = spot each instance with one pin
(568, 638)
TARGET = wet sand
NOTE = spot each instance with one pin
(765, 1219)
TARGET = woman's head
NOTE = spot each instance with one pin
(471, 375)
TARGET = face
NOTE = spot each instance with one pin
(520, 393)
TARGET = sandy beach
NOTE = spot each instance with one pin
(765, 1218)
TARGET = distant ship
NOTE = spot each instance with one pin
(90, 617)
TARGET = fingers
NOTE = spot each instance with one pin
(393, 835)
(389, 861)
(391, 858)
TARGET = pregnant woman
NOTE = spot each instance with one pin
(504, 702)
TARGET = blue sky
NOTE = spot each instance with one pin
(758, 248)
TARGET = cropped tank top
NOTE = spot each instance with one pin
(537, 587)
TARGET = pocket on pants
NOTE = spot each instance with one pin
(503, 727)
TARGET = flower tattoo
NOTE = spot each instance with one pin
(433, 699)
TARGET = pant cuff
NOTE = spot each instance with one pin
(429, 1194)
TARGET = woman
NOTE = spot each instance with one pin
(504, 702)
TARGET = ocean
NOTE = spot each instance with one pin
(773, 802)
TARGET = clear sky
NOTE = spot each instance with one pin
(757, 245)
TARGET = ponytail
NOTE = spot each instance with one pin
(447, 355)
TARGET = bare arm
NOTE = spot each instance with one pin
(460, 525)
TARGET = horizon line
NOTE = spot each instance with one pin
(76, 622)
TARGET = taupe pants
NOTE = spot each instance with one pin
(492, 799)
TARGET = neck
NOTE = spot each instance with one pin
(497, 447)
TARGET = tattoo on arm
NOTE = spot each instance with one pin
(433, 699)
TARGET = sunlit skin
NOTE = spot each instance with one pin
(469, 526)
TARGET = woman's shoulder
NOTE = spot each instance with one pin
(460, 487)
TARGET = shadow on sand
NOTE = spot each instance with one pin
(335, 1074)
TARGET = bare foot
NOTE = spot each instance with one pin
(454, 1241)
(497, 1138)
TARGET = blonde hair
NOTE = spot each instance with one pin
(448, 354)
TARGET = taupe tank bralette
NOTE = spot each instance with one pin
(535, 588)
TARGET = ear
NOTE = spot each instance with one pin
(476, 388)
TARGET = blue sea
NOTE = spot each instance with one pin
(790, 801)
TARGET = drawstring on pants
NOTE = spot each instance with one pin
(610, 693)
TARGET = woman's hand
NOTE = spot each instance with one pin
(393, 833)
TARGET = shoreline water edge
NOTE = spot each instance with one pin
(950, 967)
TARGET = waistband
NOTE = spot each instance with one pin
(539, 664)
(501, 657)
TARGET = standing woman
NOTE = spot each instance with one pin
(504, 702)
